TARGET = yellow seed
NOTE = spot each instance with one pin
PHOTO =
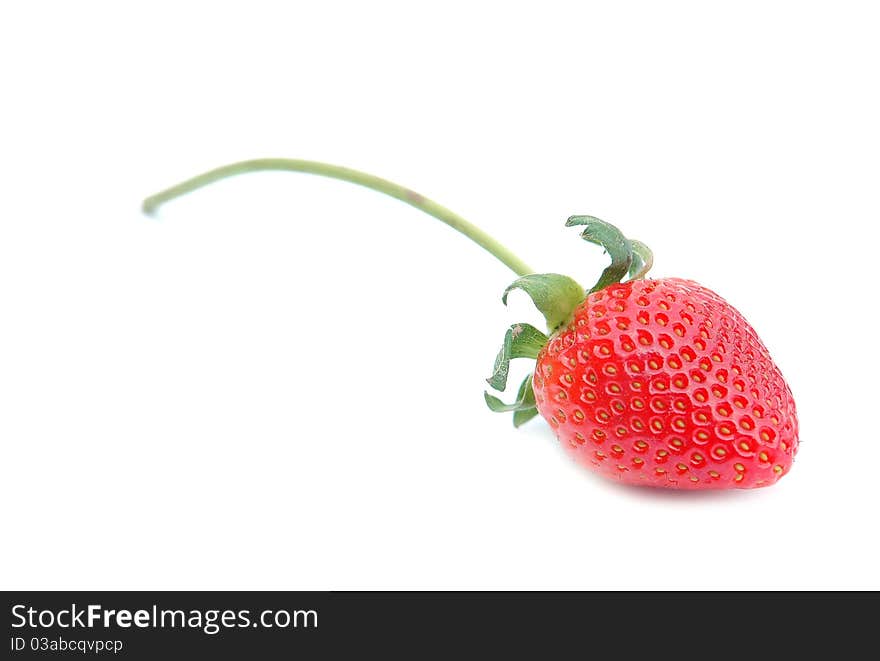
(739, 468)
(777, 469)
(763, 457)
(714, 474)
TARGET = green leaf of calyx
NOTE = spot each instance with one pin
(522, 416)
(520, 341)
(618, 247)
(525, 400)
(556, 296)
(642, 260)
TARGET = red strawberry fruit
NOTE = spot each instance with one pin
(650, 382)
(663, 383)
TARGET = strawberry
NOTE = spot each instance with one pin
(663, 383)
(650, 382)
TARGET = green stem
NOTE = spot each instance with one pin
(152, 203)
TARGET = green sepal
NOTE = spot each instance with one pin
(642, 260)
(556, 296)
(618, 247)
(521, 417)
(525, 399)
(520, 341)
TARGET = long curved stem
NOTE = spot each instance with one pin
(514, 263)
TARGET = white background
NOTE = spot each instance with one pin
(278, 382)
